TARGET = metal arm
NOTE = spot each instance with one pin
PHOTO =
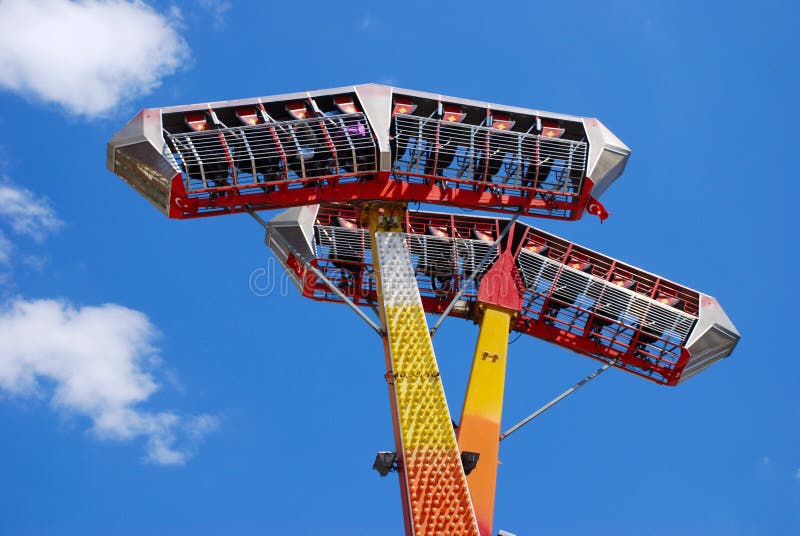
(336, 290)
(556, 400)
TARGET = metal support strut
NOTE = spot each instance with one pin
(556, 400)
(318, 273)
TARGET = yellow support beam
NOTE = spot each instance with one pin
(479, 429)
(436, 498)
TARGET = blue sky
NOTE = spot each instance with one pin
(146, 389)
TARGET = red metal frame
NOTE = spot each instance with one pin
(364, 186)
(571, 328)
(233, 196)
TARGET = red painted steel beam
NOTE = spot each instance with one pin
(362, 187)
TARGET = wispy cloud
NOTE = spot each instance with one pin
(88, 56)
(797, 474)
(6, 247)
(218, 10)
(96, 362)
(27, 213)
(22, 212)
(366, 22)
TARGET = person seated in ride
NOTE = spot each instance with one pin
(442, 139)
(477, 248)
(400, 132)
(539, 153)
(492, 144)
(350, 136)
(258, 152)
(347, 250)
(531, 270)
(310, 156)
(437, 260)
(609, 306)
(651, 330)
(206, 159)
(564, 295)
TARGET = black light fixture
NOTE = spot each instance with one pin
(469, 460)
(385, 462)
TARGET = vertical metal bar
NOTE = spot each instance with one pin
(299, 152)
(419, 150)
(278, 146)
(249, 153)
(228, 156)
(350, 143)
(199, 161)
(329, 143)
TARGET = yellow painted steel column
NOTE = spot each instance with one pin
(436, 497)
(479, 429)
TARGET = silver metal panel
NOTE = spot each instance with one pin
(607, 155)
(296, 226)
(713, 338)
(151, 127)
(292, 232)
(143, 168)
(145, 126)
(377, 103)
(137, 154)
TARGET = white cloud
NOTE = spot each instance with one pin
(35, 262)
(797, 474)
(86, 55)
(96, 362)
(218, 9)
(27, 213)
(5, 249)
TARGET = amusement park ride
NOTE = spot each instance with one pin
(346, 163)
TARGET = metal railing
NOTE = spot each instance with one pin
(477, 154)
(611, 315)
(442, 264)
(448, 258)
(619, 320)
(274, 152)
